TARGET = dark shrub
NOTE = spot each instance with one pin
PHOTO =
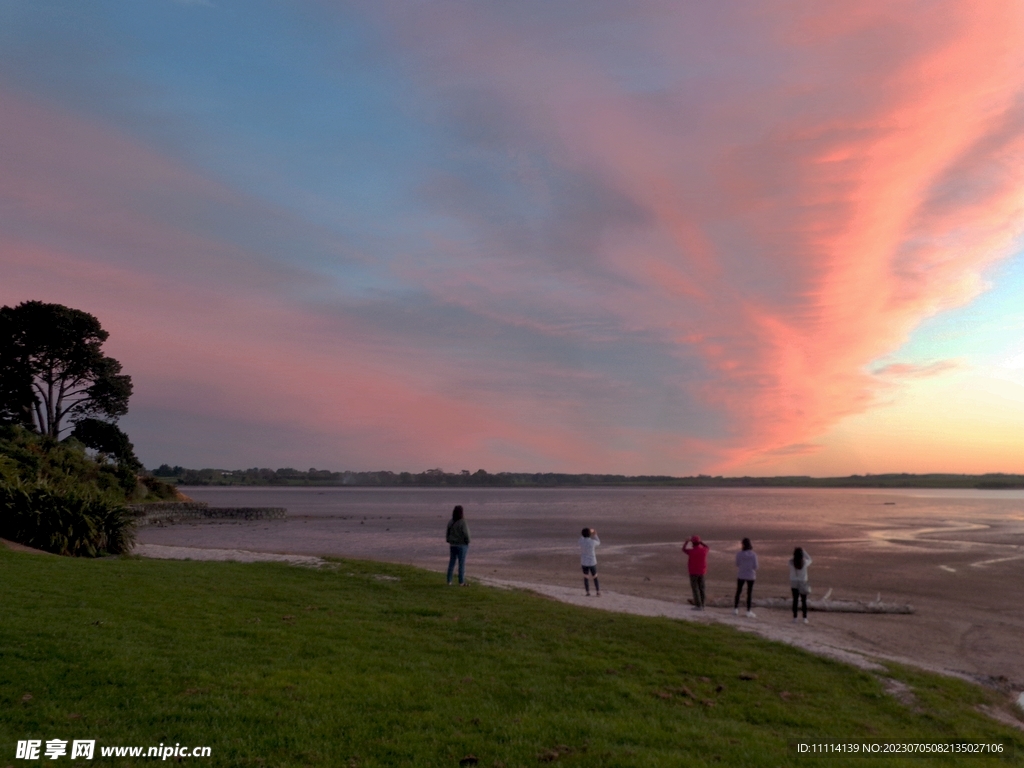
(65, 521)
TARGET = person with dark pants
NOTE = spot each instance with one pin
(697, 553)
(457, 537)
(798, 580)
(746, 572)
(588, 558)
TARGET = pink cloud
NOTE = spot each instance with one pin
(238, 356)
(207, 327)
(796, 449)
(762, 199)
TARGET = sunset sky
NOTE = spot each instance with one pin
(658, 236)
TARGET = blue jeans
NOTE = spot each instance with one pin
(458, 553)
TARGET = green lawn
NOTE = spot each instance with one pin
(368, 664)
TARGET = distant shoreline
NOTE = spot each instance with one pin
(435, 478)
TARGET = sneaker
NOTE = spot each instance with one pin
(795, 619)
(806, 621)
(735, 611)
(588, 594)
(751, 615)
(598, 594)
(696, 608)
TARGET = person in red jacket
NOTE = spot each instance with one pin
(697, 551)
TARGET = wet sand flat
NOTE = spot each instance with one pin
(957, 556)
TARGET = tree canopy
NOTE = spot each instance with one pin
(53, 373)
(104, 437)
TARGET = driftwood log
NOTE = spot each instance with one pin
(821, 604)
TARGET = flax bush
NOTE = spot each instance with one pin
(63, 520)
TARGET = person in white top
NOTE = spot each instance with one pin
(798, 580)
(588, 559)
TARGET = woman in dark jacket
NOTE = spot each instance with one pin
(798, 580)
(457, 537)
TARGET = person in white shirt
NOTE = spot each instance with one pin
(588, 559)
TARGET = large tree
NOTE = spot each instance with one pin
(53, 372)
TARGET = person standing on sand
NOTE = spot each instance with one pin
(798, 580)
(697, 552)
(588, 558)
(457, 537)
(746, 572)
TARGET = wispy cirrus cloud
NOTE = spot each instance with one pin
(781, 223)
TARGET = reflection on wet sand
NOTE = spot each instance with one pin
(894, 535)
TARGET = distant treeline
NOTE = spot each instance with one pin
(481, 478)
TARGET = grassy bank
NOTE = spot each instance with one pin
(370, 664)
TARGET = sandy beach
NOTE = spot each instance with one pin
(957, 558)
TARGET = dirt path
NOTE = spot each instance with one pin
(805, 636)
